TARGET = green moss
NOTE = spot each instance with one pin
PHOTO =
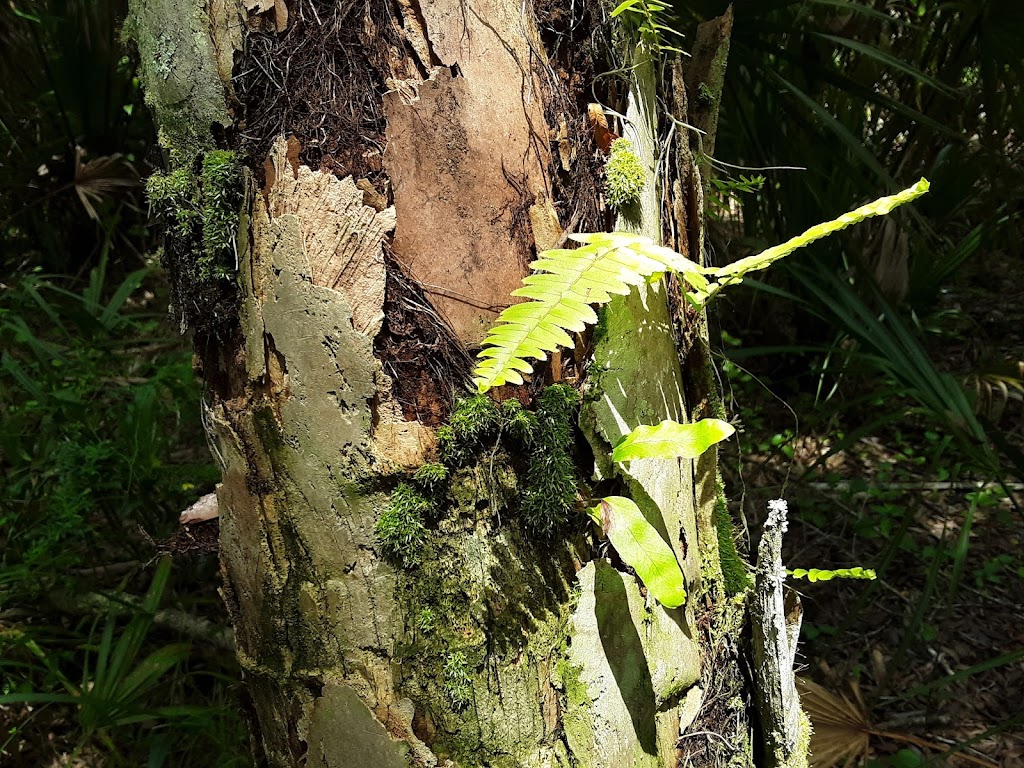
(426, 620)
(600, 330)
(178, 70)
(624, 175)
(549, 481)
(734, 571)
(458, 683)
(449, 449)
(549, 494)
(518, 422)
(204, 207)
(578, 722)
(475, 419)
(174, 198)
(401, 528)
(221, 200)
(705, 96)
(802, 750)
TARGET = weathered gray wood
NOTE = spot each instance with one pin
(785, 729)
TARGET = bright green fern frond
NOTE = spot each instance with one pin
(566, 284)
(564, 287)
(733, 273)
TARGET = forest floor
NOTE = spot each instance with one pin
(928, 659)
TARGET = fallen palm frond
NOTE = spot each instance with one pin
(100, 178)
(842, 729)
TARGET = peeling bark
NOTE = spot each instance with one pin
(467, 152)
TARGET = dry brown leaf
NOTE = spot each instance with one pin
(841, 729)
(599, 124)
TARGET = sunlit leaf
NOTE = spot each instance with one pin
(564, 286)
(623, 7)
(641, 547)
(672, 440)
(766, 258)
(820, 574)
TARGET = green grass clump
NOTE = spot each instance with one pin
(457, 682)
(550, 483)
(401, 527)
(624, 175)
(430, 477)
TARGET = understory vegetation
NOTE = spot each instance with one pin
(876, 381)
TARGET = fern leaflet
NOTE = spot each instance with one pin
(564, 286)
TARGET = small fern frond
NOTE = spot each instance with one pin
(564, 287)
(733, 273)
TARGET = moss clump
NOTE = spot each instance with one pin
(203, 207)
(734, 572)
(474, 420)
(518, 422)
(802, 749)
(624, 175)
(705, 96)
(173, 197)
(221, 199)
(426, 621)
(451, 451)
(401, 528)
(458, 683)
(545, 437)
(550, 483)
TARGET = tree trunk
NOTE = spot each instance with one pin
(396, 166)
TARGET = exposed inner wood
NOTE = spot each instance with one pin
(466, 157)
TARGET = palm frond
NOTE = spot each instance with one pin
(841, 729)
(100, 178)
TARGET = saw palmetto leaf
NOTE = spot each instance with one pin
(565, 286)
